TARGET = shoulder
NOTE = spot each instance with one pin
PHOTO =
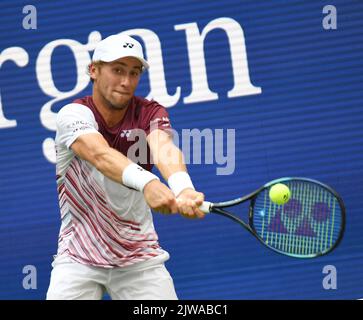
(75, 110)
(151, 115)
(146, 104)
(146, 108)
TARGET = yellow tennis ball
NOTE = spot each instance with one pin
(280, 193)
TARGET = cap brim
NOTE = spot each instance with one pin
(143, 61)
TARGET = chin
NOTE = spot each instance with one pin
(121, 102)
(119, 105)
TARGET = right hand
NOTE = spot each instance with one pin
(159, 197)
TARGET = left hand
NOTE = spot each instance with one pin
(188, 202)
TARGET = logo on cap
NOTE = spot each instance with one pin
(128, 45)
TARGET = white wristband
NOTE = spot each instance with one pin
(136, 177)
(179, 181)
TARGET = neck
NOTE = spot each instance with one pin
(111, 115)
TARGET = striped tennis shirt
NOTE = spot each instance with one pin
(104, 223)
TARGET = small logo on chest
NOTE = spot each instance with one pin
(125, 133)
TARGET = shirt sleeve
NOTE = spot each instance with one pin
(158, 118)
(72, 121)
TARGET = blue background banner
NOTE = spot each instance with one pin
(272, 71)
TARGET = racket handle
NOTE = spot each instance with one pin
(205, 207)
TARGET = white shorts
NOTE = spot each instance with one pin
(148, 280)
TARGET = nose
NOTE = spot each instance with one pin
(125, 81)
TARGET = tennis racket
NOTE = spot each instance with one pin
(310, 224)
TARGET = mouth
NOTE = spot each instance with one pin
(122, 93)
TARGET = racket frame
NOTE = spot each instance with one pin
(218, 208)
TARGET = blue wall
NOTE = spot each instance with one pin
(307, 121)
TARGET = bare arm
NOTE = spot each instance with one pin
(93, 148)
(167, 157)
(169, 160)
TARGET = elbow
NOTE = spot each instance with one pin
(93, 149)
(98, 159)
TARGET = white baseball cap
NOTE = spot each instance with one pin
(119, 46)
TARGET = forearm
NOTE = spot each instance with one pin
(167, 157)
(119, 168)
(175, 172)
(170, 161)
(111, 163)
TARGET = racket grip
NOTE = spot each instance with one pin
(205, 207)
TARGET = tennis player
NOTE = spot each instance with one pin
(107, 241)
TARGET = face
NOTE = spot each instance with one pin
(115, 82)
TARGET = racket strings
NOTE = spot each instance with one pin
(309, 224)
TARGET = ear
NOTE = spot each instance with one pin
(93, 71)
